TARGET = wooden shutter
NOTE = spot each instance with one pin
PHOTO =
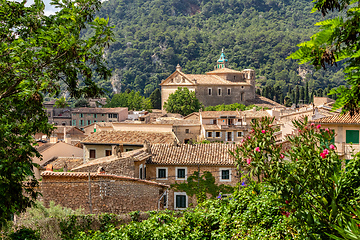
(352, 136)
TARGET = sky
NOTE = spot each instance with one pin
(49, 9)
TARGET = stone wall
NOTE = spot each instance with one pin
(112, 194)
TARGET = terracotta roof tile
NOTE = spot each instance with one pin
(340, 118)
(198, 154)
(248, 113)
(130, 137)
(97, 110)
(211, 127)
(202, 79)
(224, 70)
(263, 102)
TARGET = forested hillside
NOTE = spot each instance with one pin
(152, 36)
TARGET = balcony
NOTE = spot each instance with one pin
(233, 127)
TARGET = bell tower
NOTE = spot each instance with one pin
(222, 62)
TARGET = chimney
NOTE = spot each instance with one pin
(53, 139)
(49, 167)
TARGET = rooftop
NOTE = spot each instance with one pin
(263, 102)
(197, 154)
(340, 118)
(97, 110)
(129, 137)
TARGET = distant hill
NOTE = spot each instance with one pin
(153, 36)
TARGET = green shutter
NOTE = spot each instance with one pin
(352, 136)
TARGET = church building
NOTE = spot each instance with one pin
(221, 86)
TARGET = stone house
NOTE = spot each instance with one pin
(57, 116)
(174, 163)
(221, 86)
(81, 117)
(228, 126)
(346, 129)
(108, 143)
(101, 192)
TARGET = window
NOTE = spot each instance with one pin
(102, 114)
(352, 136)
(229, 91)
(209, 134)
(81, 122)
(161, 173)
(81, 115)
(212, 121)
(219, 91)
(225, 174)
(187, 130)
(74, 122)
(217, 134)
(95, 115)
(114, 115)
(128, 149)
(240, 134)
(209, 90)
(107, 152)
(181, 173)
(74, 114)
(92, 153)
(88, 122)
(141, 171)
(181, 200)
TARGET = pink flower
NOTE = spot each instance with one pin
(263, 131)
(252, 130)
(287, 202)
(323, 155)
(326, 129)
(332, 147)
(318, 126)
(312, 124)
(282, 156)
(249, 137)
(287, 214)
(242, 140)
(248, 161)
(257, 149)
(297, 159)
(326, 151)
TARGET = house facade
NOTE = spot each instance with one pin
(347, 128)
(81, 117)
(221, 86)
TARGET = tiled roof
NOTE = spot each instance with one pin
(263, 102)
(102, 175)
(59, 163)
(211, 127)
(130, 137)
(188, 154)
(237, 114)
(97, 110)
(177, 122)
(340, 118)
(194, 115)
(217, 114)
(223, 70)
(44, 146)
(60, 129)
(202, 79)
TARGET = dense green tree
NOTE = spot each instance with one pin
(132, 100)
(61, 103)
(36, 53)
(307, 92)
(182, 101)
(155, 98)
(82, 102)
(337, 41)
(302, 95)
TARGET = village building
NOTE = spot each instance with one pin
(108, 143)
(174, 163)
(221, 86)
(55, 151)
(57, 116)
(229, 126)
(82, 117)
(100, 192)
(346, 129)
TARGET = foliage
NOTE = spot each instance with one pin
(202, 185)
(61, 103)
(82, 102)
(132, 100)
(232, 107)
(25, 234)
(155, 98)
(337, 41)
(250, 213)
(135, 216)
(36, 53)
(308, 178)
(182, 101)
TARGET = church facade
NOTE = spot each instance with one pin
(221, 86)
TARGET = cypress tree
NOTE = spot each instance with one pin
(307, 100)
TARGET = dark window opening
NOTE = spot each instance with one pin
(107, 152)
(92, 153)
(180, 201)
(161, 173)
(225, 174)
(181, 173)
